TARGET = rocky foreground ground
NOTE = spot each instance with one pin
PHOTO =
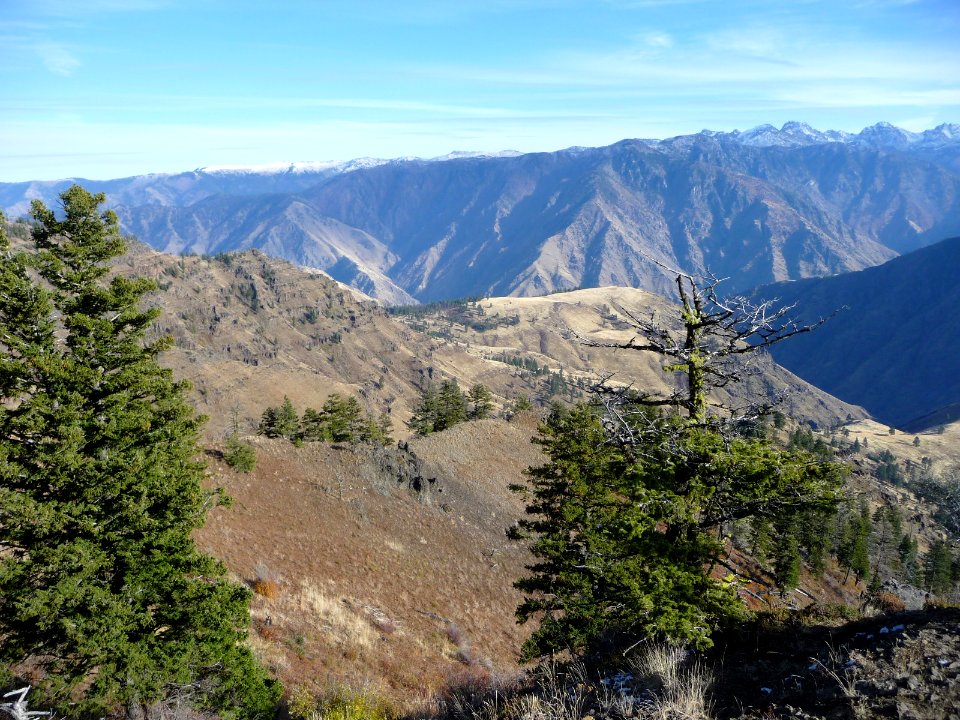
(904, 666)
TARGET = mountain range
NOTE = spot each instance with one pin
(759, 206)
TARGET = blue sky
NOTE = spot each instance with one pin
(109, 88)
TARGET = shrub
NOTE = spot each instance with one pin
(266, 582)
(888, 602)
(240, 455)
(340, 704)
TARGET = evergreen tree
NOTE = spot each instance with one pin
(342, 418)
(814, 536)
(622, 534)
(481, 402)
(382, 430)
(761, 538)
(452, 406)
(426, 413)
(269, 423)
(240, 455)
(629, 512)
(288, 423)
(938, 568)
(312, 426)
(439, 409)
(787, 557)
(907, 552)
(521, 403)
(854, 548)
(102, 589)
(280, 422)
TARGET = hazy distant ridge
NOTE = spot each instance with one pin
(757, 206)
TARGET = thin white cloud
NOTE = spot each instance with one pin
(57, 58)
(865, 97)
(657, 39)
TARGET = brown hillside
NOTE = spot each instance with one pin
(249, 329)
(551, 331)
(375, 583)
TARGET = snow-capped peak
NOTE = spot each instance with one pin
(460, 154)
(298, 167)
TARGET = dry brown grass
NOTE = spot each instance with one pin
(683, 683)
(372, 579)
(269, 589)
(942, 449)
(236, 356)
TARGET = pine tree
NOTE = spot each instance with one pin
(288, 423)
(630, 511)
(761, 538)
(786, 566)
(854, 548)
(312, 426)
(938, 568)
(521, 404)
(481, 402)
(814, 536)
(102, 589)
(907, 554)
(452, 406)
(426, 413)
(342, 418)
(380, 431)
(268, 423)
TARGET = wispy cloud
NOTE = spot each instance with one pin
(57, 58)
(657, 39)
(865, 97)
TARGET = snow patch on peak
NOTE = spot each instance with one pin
(460, 154)
(298, 167)
(792, 134)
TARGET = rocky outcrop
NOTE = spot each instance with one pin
(904, 666)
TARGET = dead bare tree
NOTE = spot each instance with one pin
(715, 342)
(17, 709)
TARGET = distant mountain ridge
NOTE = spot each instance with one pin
(757, 206)
(893, 345)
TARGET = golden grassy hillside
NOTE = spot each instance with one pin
(366, 582)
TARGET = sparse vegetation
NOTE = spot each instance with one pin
(340, 420)
(240, 455)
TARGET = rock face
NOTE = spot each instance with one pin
(904, 665)
(760, 206)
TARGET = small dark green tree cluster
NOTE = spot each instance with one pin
(280, 422)
(624, 535)
(631, 511)
(853, 548)
(103, 593)
(240, 455)
(341, 419)
(790, 541)
(941, 571)
(443, 407)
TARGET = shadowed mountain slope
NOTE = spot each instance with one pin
(893, 346)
